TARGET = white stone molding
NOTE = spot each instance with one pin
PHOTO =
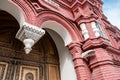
(84, 31)
(52, 3)
(88, 53)
(29, 35)
(95, 29)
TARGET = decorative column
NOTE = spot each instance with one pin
(82, 70)
(84, 31)
(29, 35)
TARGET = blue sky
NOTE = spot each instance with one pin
(111, 9)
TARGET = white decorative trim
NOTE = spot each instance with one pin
(30, 32)
(28, 44)
(87, 53)
(84, 31)
(53, 3)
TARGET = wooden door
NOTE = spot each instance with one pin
(41, 64)
(53, 72)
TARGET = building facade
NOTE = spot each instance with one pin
(57, 40)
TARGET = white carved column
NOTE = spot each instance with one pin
(29, 35)
(84, 31)
(95, 29)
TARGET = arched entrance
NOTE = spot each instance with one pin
(67, 71)
(61, 38)
(41, 64)
(65, 67)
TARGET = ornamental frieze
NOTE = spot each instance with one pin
(114, 54)
(72, 9)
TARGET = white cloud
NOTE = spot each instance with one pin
(112, 11)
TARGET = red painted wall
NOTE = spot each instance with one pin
(104, 64)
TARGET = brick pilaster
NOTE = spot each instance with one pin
(82, 70)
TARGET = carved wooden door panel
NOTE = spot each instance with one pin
(29, 73)
(41, 64)
(53, 72)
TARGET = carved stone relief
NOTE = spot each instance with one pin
(115, 57)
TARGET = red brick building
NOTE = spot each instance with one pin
(57, 40)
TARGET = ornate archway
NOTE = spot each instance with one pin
(58, 23)
(70, 33)
(15, 64)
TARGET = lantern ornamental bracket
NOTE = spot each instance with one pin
(87, 53)
(29, 35)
